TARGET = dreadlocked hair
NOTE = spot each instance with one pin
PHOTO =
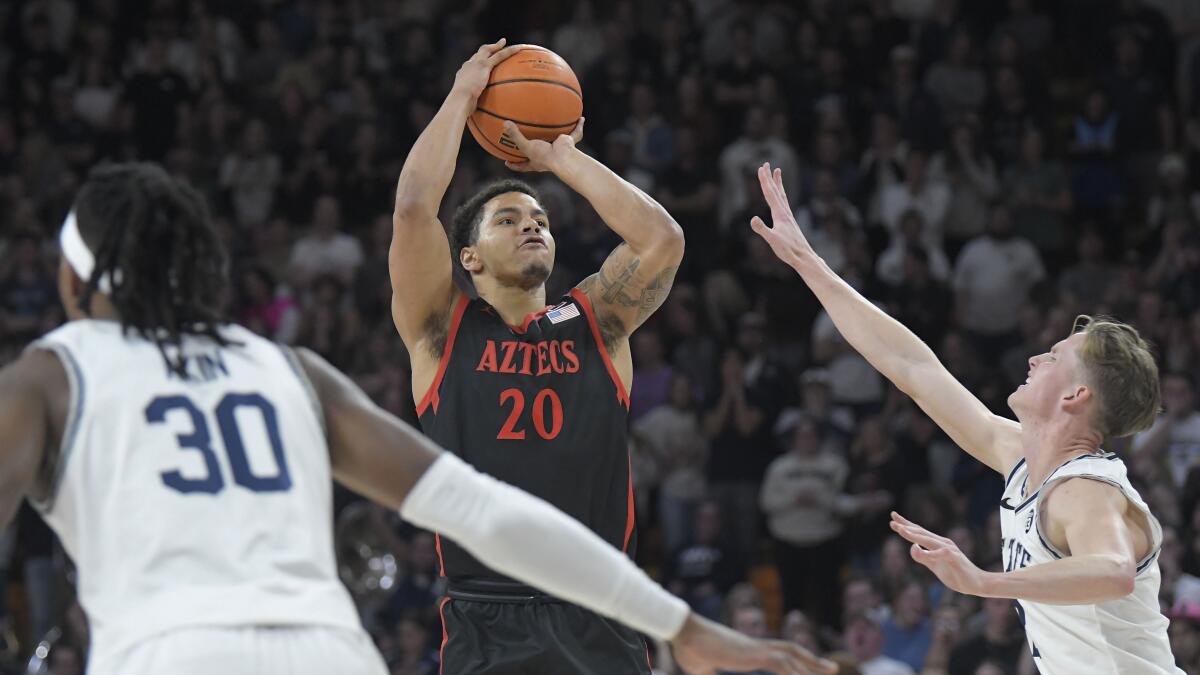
(151, 234)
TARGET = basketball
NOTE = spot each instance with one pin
(537, 90)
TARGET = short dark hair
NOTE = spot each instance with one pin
(464, 230)
(152, 235)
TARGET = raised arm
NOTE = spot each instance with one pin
(890, 347)
(516, 533)
(419, 257)
(636, 277)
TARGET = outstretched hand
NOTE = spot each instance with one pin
(473, 75)
(703, 646)
(784, 236)
(941, 555)
(542, 154)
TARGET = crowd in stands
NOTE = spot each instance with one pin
(983, 171)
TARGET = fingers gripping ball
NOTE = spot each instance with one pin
(536, 89)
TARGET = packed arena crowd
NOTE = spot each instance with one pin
(982, 171)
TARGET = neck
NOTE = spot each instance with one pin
(512, 303)
(1048, 445)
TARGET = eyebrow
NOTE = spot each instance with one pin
(514, 210)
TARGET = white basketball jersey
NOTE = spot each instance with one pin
(1117, 637)
(198, 502)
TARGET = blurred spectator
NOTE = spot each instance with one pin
(674, 436)
(651, 375)
(688, 189)
(1084, 285)
(267, 309)
(882, 164)
(1173, 198)
(956, 82)
(251, 174)
(1175, 436)
(992, 279)
(707, 565)
(804, 500)
(908, 632)
(970, 173)
(325, 250)
(1032, 29)
(927, 195)
(27, 289)
(741, 157)
(864, 640)
(892, 263)
(1040, 196)
(919, 301)
(1001, 641)
(1098, 181)
(916, 110)
(741, 449)
(413, 655)
(854, 382)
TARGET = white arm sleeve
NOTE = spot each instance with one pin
(524, 537)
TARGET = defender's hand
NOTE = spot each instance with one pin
(542, 155)
(784, 237)
(703, 646)
(473, 76)
(941, 556)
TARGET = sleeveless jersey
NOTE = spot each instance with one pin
(1126, 635)
(197, 502)
(539, 406)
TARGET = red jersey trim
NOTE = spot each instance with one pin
(445, 635)
(437, 544)
(530, 318)
(582, 299)
(631, 515)
(431, 396)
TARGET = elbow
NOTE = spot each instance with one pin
(1120, 577)
(410, 209)
(670, 235)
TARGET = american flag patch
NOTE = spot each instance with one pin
(563, 312)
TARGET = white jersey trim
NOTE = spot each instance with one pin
(1144, 563)
(66, 444)
(293, 361)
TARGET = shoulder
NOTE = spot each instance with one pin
(1082, 498)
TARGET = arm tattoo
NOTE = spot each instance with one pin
(616, 286)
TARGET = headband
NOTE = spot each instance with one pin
(78, 255)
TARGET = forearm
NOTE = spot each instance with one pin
(639, 220)
(531, 541)
(430, 165)
(884, 342)
(1077, 580)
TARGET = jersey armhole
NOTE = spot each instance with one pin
(1155, 532)
(431, 397)
(293, 361)
(66, 444)
(582, 298)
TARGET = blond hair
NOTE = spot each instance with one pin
(1121, 371)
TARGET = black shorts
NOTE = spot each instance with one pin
(516, 630)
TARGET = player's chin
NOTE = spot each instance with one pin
(535, 273)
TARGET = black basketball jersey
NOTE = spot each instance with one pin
(539, 406)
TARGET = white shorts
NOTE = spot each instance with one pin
(249, 650)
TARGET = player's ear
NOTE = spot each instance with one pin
(1077, 398)
(470, 260)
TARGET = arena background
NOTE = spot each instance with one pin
(983, 170)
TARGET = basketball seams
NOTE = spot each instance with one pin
(479, 135)
(517, 80)
(568, 125)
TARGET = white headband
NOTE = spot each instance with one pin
(78, 255)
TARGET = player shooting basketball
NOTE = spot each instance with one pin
(185, 464)
(534, 395)
(1079, 543)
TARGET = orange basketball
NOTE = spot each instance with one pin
(537, 90)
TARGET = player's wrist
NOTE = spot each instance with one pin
(985, 584)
